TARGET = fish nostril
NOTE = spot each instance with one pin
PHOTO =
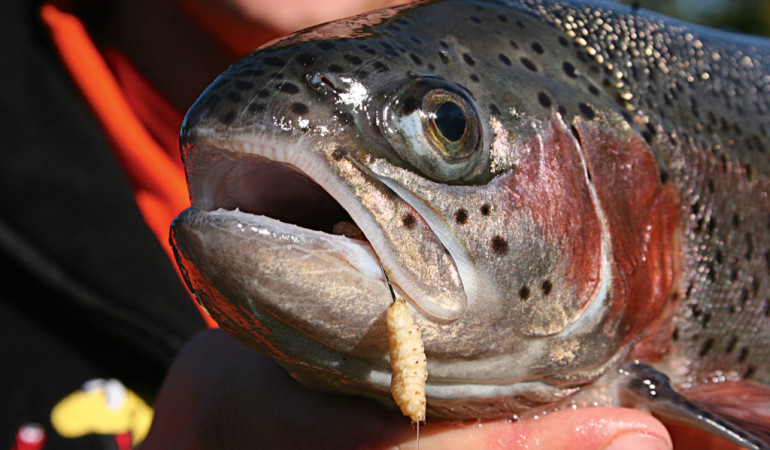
(319, 83)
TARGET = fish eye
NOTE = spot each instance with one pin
(433, 125)
(450, 121)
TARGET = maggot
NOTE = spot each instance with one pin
(407, 360)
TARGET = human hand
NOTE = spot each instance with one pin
(221, 394)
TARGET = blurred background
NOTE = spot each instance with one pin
(745, 16)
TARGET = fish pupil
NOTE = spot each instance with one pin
(450, 121)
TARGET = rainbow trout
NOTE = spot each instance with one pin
(572, 198)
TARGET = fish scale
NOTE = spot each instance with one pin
(572, 197)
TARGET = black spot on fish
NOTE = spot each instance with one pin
(766, 308)
(594, 90)
(710, 272)
(233, 97)
(524, 292)
(663, 177)
(475, 19)
(299, 108)
(514, 44)
(569, 69)
(379, 66)
(461, 216)
(537, 48)
(587, 111)
(408, 221)
(502, 18)
(547, 287)
(263, 93)
(334, 68)
(526, 62)
(695, 308)
(695, 208)
(706, 347)
(494, 109)
(474, 77)
(365, 48)
(469, 59)
(354, 59)
(749, 371)
(520, 24)
(288, 88)
(415, 40)
(749, 246)
(504, 59)
(228, 118)
(544, 99)
(563, 41)
(338, 154)
(499, 245)
(485, 209)
(743, 355)
(325, 45)
(443, 57)
(443, 44)
(562, 110)
(416, 59)
(706, 319)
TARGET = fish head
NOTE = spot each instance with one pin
(452, 159)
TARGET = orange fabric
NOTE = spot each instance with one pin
(144, 148)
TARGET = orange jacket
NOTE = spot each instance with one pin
(142, 126)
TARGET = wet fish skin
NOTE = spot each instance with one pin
(652, 132)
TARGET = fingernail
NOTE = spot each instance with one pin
(637, 441)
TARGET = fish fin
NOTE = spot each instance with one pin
(645, 386)
(744, 403)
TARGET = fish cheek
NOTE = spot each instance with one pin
(551, 185)
(642, 218)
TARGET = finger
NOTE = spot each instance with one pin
(586, 428)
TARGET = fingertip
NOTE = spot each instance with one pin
(637, 441)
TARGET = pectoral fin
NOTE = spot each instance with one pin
(737, 412)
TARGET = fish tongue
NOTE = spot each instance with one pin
(348, 229)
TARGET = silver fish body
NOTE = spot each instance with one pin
(556, 188)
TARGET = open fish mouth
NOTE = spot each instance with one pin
(255, 197)
(321, 194)
(258, 186)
